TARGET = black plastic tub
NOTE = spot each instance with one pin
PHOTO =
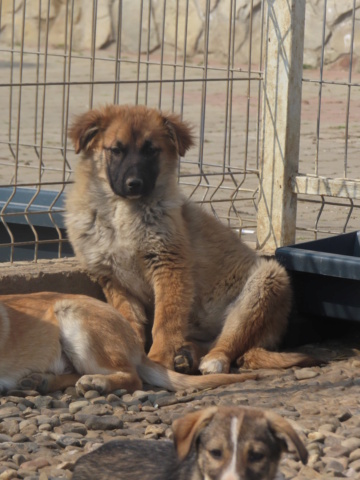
(325, 275)
(22, 220)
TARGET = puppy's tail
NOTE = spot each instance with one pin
(155, 374)
(261, 358)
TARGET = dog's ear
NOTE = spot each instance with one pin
(187, 428)
(179, 132)
(280, 428)
(85, 128)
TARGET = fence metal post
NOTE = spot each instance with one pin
(281, 108)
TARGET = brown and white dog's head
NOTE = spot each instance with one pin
(135, 148)
(235, 443)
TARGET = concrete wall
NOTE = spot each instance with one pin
(337, 29)
(63, 276)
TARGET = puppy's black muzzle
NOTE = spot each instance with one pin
(132, 176)
(134, 186)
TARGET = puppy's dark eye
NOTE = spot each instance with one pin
(117, 149)
(149, 149)
(255, 456)
(216, 453)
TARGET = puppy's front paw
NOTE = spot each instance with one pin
(91, 382)
(214, 363)
(36, 381)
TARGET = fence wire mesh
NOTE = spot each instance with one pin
(149, 57)
(328, 190)
(42, 86)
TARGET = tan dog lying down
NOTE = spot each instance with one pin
(217, 443)
(74, 338)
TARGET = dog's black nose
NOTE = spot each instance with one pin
(134, 185)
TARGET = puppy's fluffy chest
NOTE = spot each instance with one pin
(120, 235)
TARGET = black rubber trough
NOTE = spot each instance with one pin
(19, 217)
(325, 275)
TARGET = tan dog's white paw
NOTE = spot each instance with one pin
(214, 364)
(91, 382)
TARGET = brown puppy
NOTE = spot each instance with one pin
(217, 443)
(66, 339)
(163, 259)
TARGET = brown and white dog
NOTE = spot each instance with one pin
(50, 341)
(164, 261)
(217, 443)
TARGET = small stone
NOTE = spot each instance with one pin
(4, 438)
(307, 472)
(20, 438)
(43, 401)
(351, 443)
(355, 455)
(97, 410)
(316, 436)
(344, 416)
(336, 464)
(156, 430)
(305, 373)
(153, 419)
(9, 427)
(35, 464)
(336, 451)
(75, 407)
(134, 408)
(111, 398)
(8, 412)
(355, 465)
(8, 474)
(120, 392)
(98, 401)
(141, 395)
(166, 400)
(91, 394)
(109, 422)
(72, 427)
(19, 459)
(327, 427)
(67, 440)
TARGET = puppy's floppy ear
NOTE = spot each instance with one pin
(179, 132)
(281, 427)
(85, 128)
(187, 428)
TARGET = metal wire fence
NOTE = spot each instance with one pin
(42, 87)
(52, 67)
(329, 169)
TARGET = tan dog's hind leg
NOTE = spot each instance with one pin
(100, 344)
(48, 382)
(257, 318)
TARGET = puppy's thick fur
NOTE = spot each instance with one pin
(217, 443)
(163, 259)
(50, 341)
